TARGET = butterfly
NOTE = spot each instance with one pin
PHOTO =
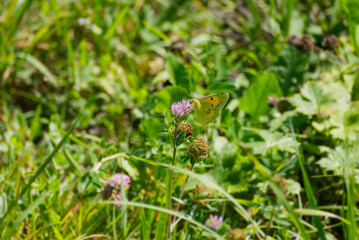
(208, 108)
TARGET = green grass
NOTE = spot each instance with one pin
(86, 89)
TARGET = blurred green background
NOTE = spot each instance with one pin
(84, 80)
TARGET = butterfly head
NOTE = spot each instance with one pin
(195, 103)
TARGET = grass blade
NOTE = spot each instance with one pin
(35, 123)
(161, 225)
(202, 178)
(27, 211)
(292, 215)
(73, 162)
(167, 211)
(123, 210)
(307, 186)
(144, 230)
(49, 158)
(45, 163)
(313, 212)
(38, 65)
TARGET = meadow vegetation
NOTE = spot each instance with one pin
(90, 147)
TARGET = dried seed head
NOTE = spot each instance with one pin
(178, 45)
(187, 58)
(303, 44)
(307, 44)
(236, 234)
(198, 149)
(183, 126)
(201, 191)
(330, 42)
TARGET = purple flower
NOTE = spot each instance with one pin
(112, 189)
(115, 181)
(214, 222)
(180, 109)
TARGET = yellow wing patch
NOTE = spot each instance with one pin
(211, 99)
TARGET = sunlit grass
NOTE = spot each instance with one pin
(86, 90)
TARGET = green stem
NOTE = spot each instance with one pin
(179, 204)
(170, 192)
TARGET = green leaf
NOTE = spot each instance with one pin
(168, 95)
(83, 183)
(3, 204)
(293, 186)
(345, 125)
(254, 101)
(290, 68)
(39, 66)
(272, 140)
(128, 167)
(222, 85)
(176, 71)
(181, 137)
(222, 65)
(352, 9)
(152, 127)
(95, 179)
(339, 159)
(355, 89)
(312, 99)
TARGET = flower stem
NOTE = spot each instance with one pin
(170, 192)
(181, 195)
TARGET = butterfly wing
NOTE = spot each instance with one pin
(217, 100)
(210, 106)
(206, 113)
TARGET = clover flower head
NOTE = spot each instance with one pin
(180, 109)
(214, 222)
(116, 180)
(112, 189)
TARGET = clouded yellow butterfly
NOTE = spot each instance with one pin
(208, 108)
